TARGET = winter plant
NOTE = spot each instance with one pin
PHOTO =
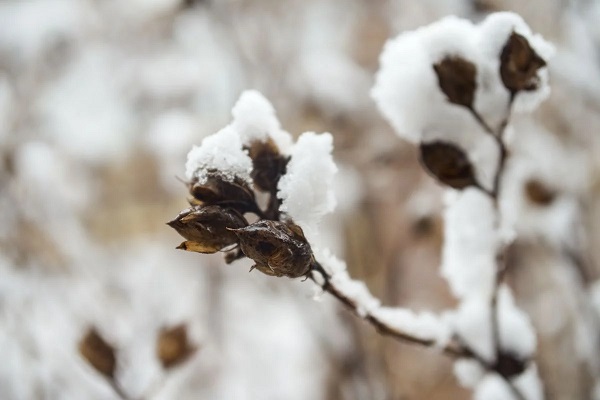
(450, 87)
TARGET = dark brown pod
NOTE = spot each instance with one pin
(448, 164)
(457, 79)
(207, 229)
(519, 65)
(98, 353)
(510, 365)
(538, 193)
(173, 346)
(268, 165)
(277, 248)
(216, 190)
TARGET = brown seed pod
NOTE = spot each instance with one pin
(173, 346)
(216, 190)
(538, 193)
(98, 353)
(519, 65)
(207, 229)
(448, 164)
(457, 79)
(510, 365)
(268, 165)
(277, 248)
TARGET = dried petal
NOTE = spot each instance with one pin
(538, 193)
(207, 229)
(519, 64)
(278, 248)
(268, 165)
(456, 77)
(98, 353)
(215, 190)
(173, 346)
(448, 164)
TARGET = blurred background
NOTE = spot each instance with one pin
(100, 101)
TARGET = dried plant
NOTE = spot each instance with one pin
(253, 157)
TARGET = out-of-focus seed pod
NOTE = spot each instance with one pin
(98, 353)
(510, 365)
(457, 79)
(519, 65)
(448, 164)
(277, 248)
(538, 193)
(207, 229)
(173, 346)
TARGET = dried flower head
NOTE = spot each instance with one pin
(277, 248)
(268, 164)
(448, 164)
(207, 229)
(214, 189)
(519, 65)
(457, 79)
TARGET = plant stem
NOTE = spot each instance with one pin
(456, 349)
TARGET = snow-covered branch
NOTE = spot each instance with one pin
(451, 87)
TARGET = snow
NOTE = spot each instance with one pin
(170, 135)
(472, 323)
(306, 189)
(468, 372)
(254, 119)
(221, 152)
(470, 244)
(493, 387)
(516, 331)
(529, 384)
(539, 155)
(494, 31)
(365, 303)
(84, 110)
(424, 325)
(27, 28)
(406, 88)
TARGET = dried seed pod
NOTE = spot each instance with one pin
(277, 248)
(98, 353)
(207, 229)
(268, 165)
(215, 190)
(538, 193)
(448, 164)
(457, 79)
(173, 346)
(510, 365)
(519, 64)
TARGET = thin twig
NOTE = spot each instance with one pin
(119, 390)
(456, 349)
(494, 194)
